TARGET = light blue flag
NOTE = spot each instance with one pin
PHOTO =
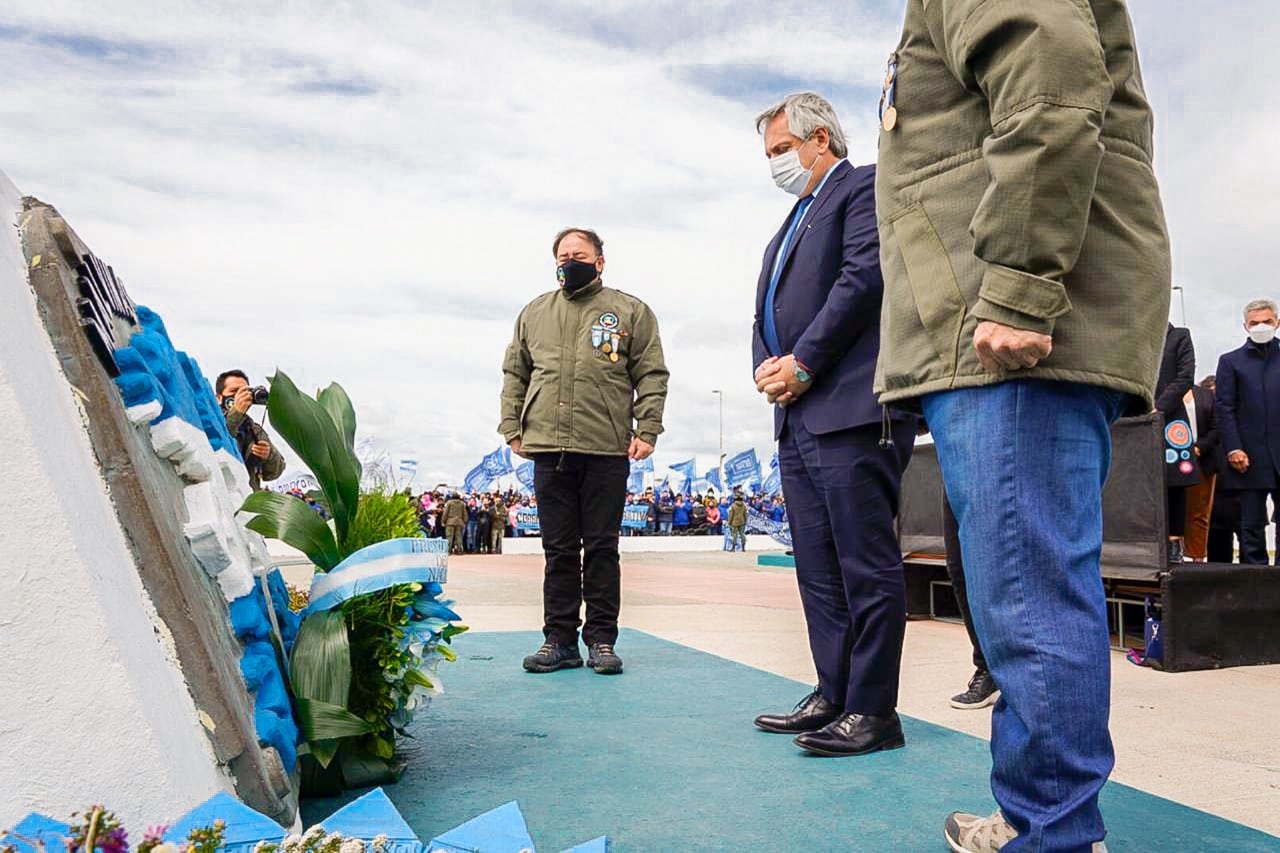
(478, 479)
(644, 466)
(525, 475)
(498, 462)
(635, 483)
(687, 471)
(713, 479)
(743, 468)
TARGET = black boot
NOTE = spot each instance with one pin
(553, 656)
(811, 714)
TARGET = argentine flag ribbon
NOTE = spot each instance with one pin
(379, 566)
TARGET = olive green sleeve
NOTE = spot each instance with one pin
(517, 367)
(648, 371)
(1041, 66)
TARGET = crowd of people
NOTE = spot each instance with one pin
(477, 522)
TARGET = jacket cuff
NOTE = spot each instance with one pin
(1021, 300)
(808, 355)
(648, 434)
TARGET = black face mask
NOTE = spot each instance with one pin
(575, 275)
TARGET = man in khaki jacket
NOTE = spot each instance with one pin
(585, 387)
(454, 520)
(1027, 281)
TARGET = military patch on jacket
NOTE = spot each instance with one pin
(606, 336)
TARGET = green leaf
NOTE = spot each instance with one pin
(383, 748)
(323, 751)
(451, 631)
(320, 666)
(291, 521)
(335, 401)
(447, 653)
(417, 678)
(311, 431)
(321, 721)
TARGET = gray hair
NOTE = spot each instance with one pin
(1261, 305)
(806, 112)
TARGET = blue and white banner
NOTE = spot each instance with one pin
(644, 466)
(498, 463)
(635, 516)
(758, 522)
(635, 483)
(379, 566)
(743, 468)
(713, 480)
(527, 520)
(525, 475)
(408, 468)
(478, 479)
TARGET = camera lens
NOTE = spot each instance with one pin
(260, 396)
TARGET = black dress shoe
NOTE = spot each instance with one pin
(855, 734)
(811, 714)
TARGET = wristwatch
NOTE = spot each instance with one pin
(802, 375)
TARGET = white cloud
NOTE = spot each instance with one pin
(366, 192)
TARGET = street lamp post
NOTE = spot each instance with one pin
(1182, 298)
(720, 464)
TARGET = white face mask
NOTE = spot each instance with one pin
(1262, 333)
(788, 174)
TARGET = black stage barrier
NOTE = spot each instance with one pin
(1213, 615)
(1220, 614)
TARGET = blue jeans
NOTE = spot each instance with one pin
(1024, 463)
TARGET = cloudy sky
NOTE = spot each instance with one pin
(367, 192)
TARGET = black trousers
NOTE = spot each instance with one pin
(842, 498)
(955, 571)
(1253, 525)
(580, 499)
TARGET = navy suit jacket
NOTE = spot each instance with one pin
(1248, 413)
(827, 306)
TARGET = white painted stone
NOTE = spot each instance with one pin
(94, 707)
(144, 412)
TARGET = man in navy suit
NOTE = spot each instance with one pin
(1248, 410)
(817, 335)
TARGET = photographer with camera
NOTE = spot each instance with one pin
(235, 396)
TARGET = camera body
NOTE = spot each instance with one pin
(260, 397)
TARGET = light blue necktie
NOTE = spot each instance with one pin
(770, 329)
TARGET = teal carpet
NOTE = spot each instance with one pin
(664, 758)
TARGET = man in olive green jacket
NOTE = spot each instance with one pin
(454, 520)
(1027, 281)
(738, 524)
(585, 387)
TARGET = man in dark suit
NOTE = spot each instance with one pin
(1248, 410)
(815, 345)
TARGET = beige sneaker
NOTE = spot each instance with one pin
(967, 833)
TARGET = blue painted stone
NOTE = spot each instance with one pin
(244, 826)
(373, 815)
(502, 830)
(37, 827)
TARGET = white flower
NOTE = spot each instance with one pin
(167, 847)
(312, 835)
(352, 845)
(380, 843)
